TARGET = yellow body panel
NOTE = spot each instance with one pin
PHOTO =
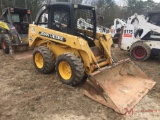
(4, 25)
(59, 43)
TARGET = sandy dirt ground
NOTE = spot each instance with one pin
(25, 94)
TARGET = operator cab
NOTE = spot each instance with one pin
(77, 20)
(153, 17)
(18, 17)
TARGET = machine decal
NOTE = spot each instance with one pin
(155, 36)
(30, 38)
(33, 30)
(52, 36)
(128, 33)
(81, 42)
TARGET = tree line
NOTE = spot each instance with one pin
(108, 9)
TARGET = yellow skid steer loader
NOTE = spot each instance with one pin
(67, 41)
(14, 24)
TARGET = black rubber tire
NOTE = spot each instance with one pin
(77, 68)
(140, 51)
(48, 59)
(5, 39)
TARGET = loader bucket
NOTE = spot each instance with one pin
(120, 86)
(19, 52)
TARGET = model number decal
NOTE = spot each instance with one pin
(52, 36)
(128, 31)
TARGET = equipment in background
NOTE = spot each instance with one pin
(14, 24)
(141, 36)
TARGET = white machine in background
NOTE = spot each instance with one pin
(141, 38)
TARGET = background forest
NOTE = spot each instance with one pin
(109, 9)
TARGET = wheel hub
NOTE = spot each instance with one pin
(139, 52)
(39, 60)
(65, 70)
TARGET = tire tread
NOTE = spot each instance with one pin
(48, 59)
(78, 68)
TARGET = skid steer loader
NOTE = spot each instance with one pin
(66, 42)
(141, 36)
(14, 24)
